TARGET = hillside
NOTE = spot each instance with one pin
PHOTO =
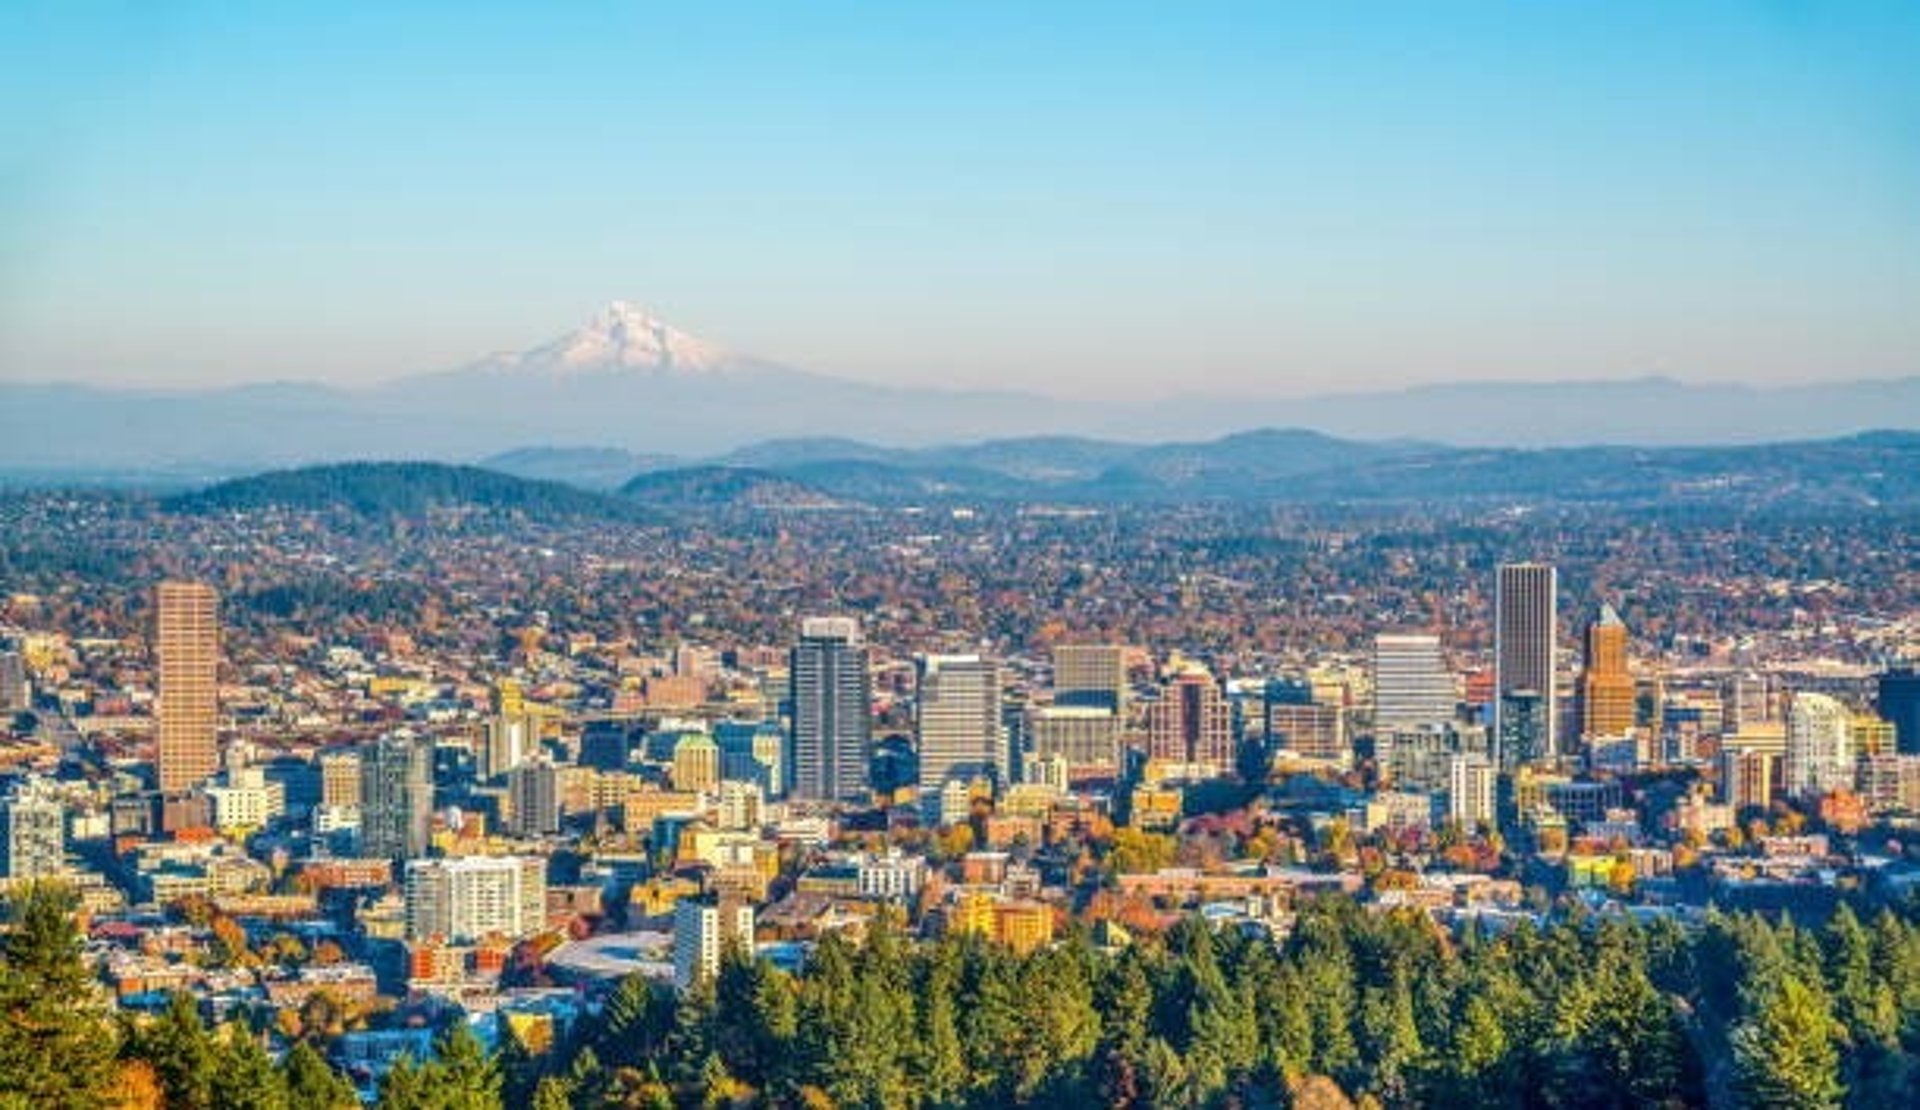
(740, 486)
(404, 489)
(1292, 465)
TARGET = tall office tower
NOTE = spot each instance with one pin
(16, 693)
(1524, 619)
(535, 791)
(1900, 703)
(956, 722)
(1606, 691)
(340, 779)
(702, 929)
(1192, 725)
(1090, 675)
(473, 897)
(1746, 778)
(33, 833)
(1086, 737)
(396, 797)
(832, 697)
(1411, 684)
(188, 638)
(1470, 791)
(1819, 746)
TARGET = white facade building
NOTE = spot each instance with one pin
(471, 897)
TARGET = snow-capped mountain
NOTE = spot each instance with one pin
(627, 380)
(623, 336)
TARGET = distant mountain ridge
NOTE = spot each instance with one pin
(1880, 469)
(628, 381)
(1293, 465)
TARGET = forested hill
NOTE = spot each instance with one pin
(724, 485)
(406, 489)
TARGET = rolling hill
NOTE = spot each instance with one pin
(405, 489)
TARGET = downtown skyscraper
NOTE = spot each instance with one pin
(1412, 687)
(1524, 622)
(957, 728)
(1606, 688)
(187, 639)
(396, 797)
(831, 694)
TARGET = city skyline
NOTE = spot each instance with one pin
(960, 556)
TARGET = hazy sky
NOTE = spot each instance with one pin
(1282, 198)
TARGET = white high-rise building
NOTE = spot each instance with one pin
(957, 721)
(471, 897)
(1412, 687)
(1819, 746)
(1470, 793)
(33, 832)
(702, 928)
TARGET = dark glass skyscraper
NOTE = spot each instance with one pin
(832, 697)
(1524, 622)
(1900, 703)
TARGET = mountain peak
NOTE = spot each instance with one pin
(623, 336)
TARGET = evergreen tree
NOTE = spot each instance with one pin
(464, 1076)
(311, 1082)
(552, 1093)
(1784, 1052)
(634, 1023)
(181, 1051)
(1164, 1076)
(406, 1086)
(587, 1080)
(245, 1078)
(941, 1067)
(1126, 1006)
(1390, 1040)
(520, 1070)
(56, 1045)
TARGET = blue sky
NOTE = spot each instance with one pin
(1270, 198)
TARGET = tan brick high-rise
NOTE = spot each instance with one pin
(1607, 695)
(188, 641)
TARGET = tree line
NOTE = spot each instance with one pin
(1376, 1008)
